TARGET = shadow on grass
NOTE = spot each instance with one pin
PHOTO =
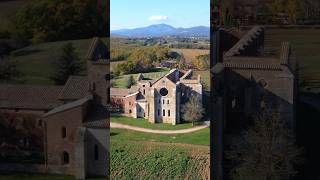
(25, 52)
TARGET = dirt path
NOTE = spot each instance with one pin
(156, 131)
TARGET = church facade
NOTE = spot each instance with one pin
(158, 100)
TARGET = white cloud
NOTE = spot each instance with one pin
(158, 18)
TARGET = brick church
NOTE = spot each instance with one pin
(158, 100)
(72, 120)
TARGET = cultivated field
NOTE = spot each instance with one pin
(305, 46)
(191, 54)
(135, 155)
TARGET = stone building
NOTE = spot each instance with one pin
(246, 80)
(74, 116)
(158, 100)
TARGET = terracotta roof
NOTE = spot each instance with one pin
(76, 87)
(29, 97)
(68, 106)
(119, 92)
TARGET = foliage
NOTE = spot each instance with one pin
(130, 82)
(68, 64)
(266, 150)
(202, 62)
(26, 144)
(49, 20)
(8, 70)
(141, 60)
(192, 110)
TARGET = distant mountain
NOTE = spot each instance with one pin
(159, 30)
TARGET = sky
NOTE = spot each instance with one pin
(128, 14)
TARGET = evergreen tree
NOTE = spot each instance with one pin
(68, 64)
(130, 81)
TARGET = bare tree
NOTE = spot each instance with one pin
(192, 111)
(265, 151)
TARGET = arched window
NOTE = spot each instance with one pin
(64, 132)
(65, 157)
(169, 112)
(163, 112)
(96, 152)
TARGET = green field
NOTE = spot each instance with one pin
(201, 137)
(158, 161)
(34, 61)
(140, 122)
(305, 46)
(120, 81)
(205, 76)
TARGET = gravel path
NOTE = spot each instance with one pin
(156, 131)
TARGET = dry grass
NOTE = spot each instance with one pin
(191, 54)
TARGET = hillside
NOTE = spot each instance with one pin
(34, 61)
(159, 30)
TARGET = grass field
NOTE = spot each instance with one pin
(191, 54)
(120, 81)
(201, 137)
(149, 160)
(140, 122)
(305, 46)
(35, 61)
(205, 76)
(7, 12)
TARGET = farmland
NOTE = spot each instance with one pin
(135, 155)
(191, 54)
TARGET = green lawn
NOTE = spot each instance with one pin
(305, 45)
(35, 61)
(120, 81)
(23, 176)
(205, 76)
(140, 122)
(201, 137)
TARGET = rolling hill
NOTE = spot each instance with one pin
(159, 30)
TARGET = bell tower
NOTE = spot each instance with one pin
(98, 69)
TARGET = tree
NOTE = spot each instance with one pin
(265, 151)
(8, 70)
(192, 111)
(68, 64)
(130, 81)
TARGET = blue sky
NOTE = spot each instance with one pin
(140, 13)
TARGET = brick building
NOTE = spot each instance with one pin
(74, 117)
(158, 100)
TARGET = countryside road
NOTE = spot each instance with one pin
(156, 131)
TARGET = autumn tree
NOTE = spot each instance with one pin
(192, 110)
(265, 151)
(68, 64)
